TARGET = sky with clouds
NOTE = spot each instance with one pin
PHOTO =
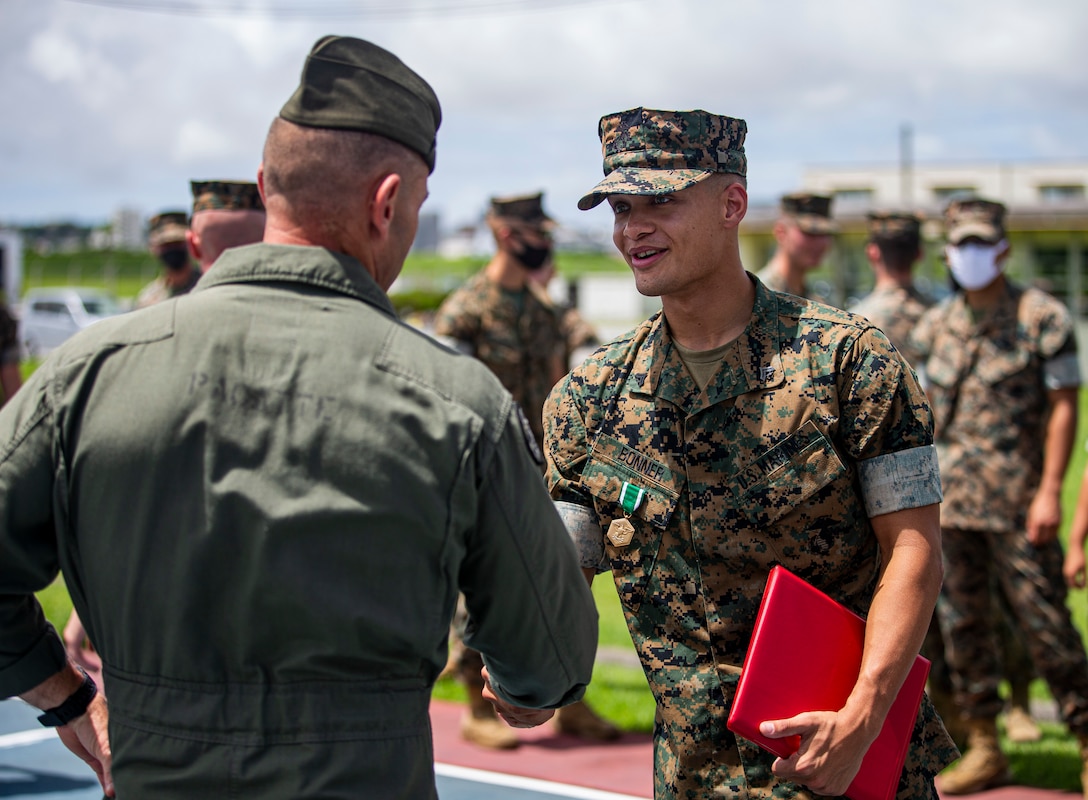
(105, 103)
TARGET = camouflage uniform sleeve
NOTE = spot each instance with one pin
(887, 426)
(455, 320)
(566, 449)
(1058, 348)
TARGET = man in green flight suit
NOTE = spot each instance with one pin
(265, 495)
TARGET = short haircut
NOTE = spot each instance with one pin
(314, 169)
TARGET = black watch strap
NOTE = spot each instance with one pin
(74, 706)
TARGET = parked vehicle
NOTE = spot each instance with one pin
(48, 316)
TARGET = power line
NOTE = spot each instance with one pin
(297, 9)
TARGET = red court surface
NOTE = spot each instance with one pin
(624, 767)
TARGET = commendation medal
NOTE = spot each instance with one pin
(621, 531)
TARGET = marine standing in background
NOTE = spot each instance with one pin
(11, 377)
(737, 429)
(1001, 369)
(265, 496)
(505, 319)
(895, 304)
(803, 234)
(167, 238)
(225, 214)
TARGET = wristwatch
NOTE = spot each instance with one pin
(74, 706)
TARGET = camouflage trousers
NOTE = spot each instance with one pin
(976, 563)
(1015, 660)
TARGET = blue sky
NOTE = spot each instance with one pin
(106, 104)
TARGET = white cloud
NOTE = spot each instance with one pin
(119, 107)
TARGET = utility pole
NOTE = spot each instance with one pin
(906, 166)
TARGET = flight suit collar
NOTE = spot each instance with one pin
(313, 266)
(753, 362)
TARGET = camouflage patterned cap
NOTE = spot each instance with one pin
(225, 196)
(888, 225)
(169, 227)
(528, 209)
(984, 219)
(351, 84)
(811, 212)
(658, 152)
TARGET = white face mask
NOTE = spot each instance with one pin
(975, 266)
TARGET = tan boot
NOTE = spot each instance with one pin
(1020, 727)
(983, 766)
(578, 719)
(480, 724)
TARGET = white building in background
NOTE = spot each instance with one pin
(1047, 220)
(929, 187)
(128, 230)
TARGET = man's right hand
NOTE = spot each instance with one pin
(88, 737)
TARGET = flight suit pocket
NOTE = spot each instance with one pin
(611, 464)
(787, 476)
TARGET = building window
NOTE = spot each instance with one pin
(1062, 193)
(852, 198)
(946, 194)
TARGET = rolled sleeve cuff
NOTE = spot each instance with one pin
(44, 660)
(1062, 372)
(581, 522)
(900, 480)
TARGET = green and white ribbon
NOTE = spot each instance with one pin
(631, 497)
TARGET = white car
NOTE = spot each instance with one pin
(48, 316)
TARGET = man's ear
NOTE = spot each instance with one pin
(194, 244)
(734, 204)
(260, 184)
(383, 205)
(872, 252)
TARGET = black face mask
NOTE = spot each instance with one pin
(176, 258)
(533, 257)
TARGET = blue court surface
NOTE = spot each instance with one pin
(35, 765)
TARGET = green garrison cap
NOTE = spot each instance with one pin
(226, 196)
(894, 225)
(658, 152)
(984, 219)
(811, 212)
(351, 84)
(169, 227)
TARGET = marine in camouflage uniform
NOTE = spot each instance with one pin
(225, 214)
(167, 240)
(779, 447)
(803, 232)
(504, 317)
(1000, 363)
(895, 303)
(10, 354)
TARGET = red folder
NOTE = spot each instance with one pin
(805, 655)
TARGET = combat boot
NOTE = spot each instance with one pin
(983, 766)
(481, 725)
(578, 719)
(1020, 727)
